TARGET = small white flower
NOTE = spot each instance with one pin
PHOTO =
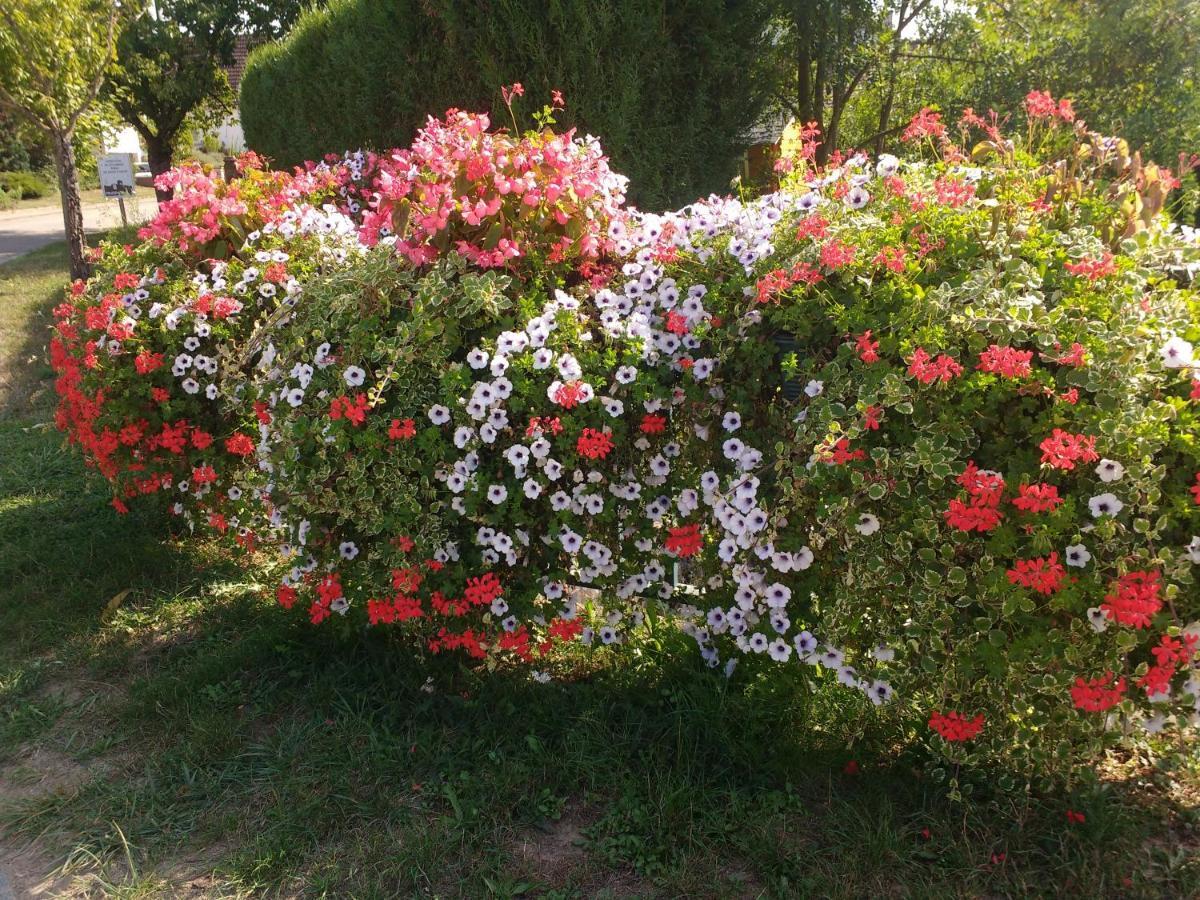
(1105, 505)
(1077, 555)
(1193, 549)
(814, 388)
(497, 494)
(1110, 470)
(887, 165)
(1097, 618)
(805, 643)
(477, 359)
(347, 550)
(879, 692)
(626, 374)
(883, 653)
(1176, 353)
(802, 559)
(867, 524)
(731, 422)
(779, 650)
(438, 414)
(857, 198)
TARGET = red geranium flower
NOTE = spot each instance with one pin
(684, 540)
(1043, 575)
(955, 727)
(402, 429)
(653, 424)
(1063, 450)
(1097, 694)
(239, 445)
(1134, 599)
(594, 444)
(1037, 498)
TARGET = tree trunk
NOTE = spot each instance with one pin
(819, 111)
(804, 85)
(889, 98)
(160, 156)
(72, 208)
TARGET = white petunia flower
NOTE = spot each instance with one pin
(1193, 549)
(1077, 555)
(1110, 470)
(438, 414)
(879, 692)
(857, 198)
(867, 524)
(1105, 505)
(802, 559)
(1177, 353)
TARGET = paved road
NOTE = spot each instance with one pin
(27, 229)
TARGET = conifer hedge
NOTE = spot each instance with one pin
(672, 86)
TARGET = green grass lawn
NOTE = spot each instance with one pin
(52, 201)
(165, 731)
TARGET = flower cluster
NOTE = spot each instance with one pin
(878, 424)
(492, 197)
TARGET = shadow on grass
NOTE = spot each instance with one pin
(309, 761)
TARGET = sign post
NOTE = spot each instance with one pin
(116, 179)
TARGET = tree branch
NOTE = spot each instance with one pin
(110, 52)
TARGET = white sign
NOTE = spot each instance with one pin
(116, 174)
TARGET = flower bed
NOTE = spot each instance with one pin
(449, 386)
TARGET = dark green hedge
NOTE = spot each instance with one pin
(669, 86)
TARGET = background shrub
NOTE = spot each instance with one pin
(23, 185)
(671, 87)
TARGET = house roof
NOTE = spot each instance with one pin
(235, 70)
(767, 130)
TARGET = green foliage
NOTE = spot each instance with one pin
(53, 57)
(22, 148)
(24, 185)
(1131, 66)
(670, 86)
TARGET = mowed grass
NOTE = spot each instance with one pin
(165, 731)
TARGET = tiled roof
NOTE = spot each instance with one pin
(234, 71)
